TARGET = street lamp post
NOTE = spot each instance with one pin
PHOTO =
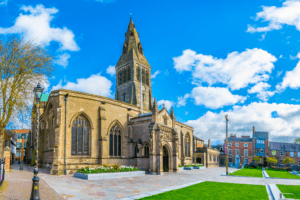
(21, 157)
(226, 143)
(38, 90)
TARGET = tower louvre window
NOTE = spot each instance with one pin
(143, 76)
(128, 74)
(147, 77)
(138, 73)
(124, 76)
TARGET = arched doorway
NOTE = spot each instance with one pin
(198, 160)
(165, 159)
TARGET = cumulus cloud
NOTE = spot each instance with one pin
(35, 25)
(291, 78)
(283, 128)
(62, 60)
(238, 70)
(95, 84)
(215, 97)
(111, 70)
(288, 13)
(155, 74)
(182, 100)
(168, 104)
(261, 90)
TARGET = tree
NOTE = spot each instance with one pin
(272, 160)
(288, 160)
(22, 65)
(297, 141)
(256, 158)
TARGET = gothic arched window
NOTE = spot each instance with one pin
(120, 77)
(128, 74)
(80, 136)
(124, 75)
(138, 73)
(143, 76)
(147, 77)
(165, 120)
(146, 149)
(187, 145)
(135, 150)
(115, 140)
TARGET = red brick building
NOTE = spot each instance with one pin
(282, 150)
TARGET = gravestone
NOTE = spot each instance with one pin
(6, 155)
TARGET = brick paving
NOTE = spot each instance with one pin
(20, 184)
(72, 188)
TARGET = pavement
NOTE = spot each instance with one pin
(72, 188)
(20, 184)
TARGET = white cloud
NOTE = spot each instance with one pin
(238, 70)
(182, 100)
(111, 70)
(3, 2)
(95, 84)
(168, 104)
(155, 74)
(215, 97)
(105, 1)
(280, 56)
(36, 26)
(291, 78)
(288, 14)
(62, 60)
(242, 118)
(279, 73)
(261, 88)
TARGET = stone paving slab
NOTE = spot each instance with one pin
(72, 188)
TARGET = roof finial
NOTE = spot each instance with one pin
(164, 105)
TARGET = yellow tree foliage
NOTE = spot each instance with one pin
(256, 158)
(272, 160)
(22, 65)
(288, 160)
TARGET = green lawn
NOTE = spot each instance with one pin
(290, 189)
(281, 174)
(215, 191)
(248, 172)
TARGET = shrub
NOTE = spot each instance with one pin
(115, 167)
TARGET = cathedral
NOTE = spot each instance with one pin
(128, 130)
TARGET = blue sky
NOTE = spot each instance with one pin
(208, 58)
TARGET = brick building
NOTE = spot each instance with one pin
(206, 154)
(282, 150)
(22, 137)
(240, 150)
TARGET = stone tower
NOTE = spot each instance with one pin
(128, 68)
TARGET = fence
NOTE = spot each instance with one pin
(2, 171)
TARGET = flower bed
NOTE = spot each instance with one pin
(194, 165)
(108, 172)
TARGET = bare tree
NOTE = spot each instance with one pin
(22, 65)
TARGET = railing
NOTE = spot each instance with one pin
(2, 171)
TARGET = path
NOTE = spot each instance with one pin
(20, 184)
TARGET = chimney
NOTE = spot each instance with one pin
(233, 135)
(245, 136)
(209, 146)
(253, 129)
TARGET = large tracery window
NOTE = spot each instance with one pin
(187, 145)
(80, 136)
(115, 141)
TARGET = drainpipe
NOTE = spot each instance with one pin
(66, 99)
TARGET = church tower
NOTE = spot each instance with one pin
(133, 69)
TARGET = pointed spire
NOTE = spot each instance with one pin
(155, 107)
(172, 113)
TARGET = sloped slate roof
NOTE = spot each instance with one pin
(259, 134)
(198, 138)
(239, 139)
(280, 146)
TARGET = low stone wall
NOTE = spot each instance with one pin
(114, 175)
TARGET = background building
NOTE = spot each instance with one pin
(10, 139)
(20, 152)
(282, 150)
(205, 154)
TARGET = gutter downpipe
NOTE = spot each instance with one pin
(65, 156)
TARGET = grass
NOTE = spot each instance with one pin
(215, 191)
(290, 189)
(248, 172)
(281, 174)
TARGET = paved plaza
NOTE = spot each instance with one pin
(68, 187)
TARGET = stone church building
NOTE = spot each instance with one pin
(128, 130)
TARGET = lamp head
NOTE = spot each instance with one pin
(38, 90)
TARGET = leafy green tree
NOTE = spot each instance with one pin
(288, 160)
(272, 160)
(297, 141)
(22, 65)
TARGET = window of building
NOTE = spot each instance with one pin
(230, 151)
(229, 144)
(143, 97)
(298, 154)
(19, 145)
(237, 152)
(147, 77)
(143, 76)
(146, 149)
(260, 141)
(138, 71)
(19, 136)
(246, 161)
(124, 97)
(246, 152)
(128, 74)
(115, 140)
(281, 153)
(230, 159)
(245, 144)
(214, 158)
(237, 144)
(26, 136)
(262, 150)
(165, 120)
(187, 145)
(210, 157)
(25, 145)
(80, 136)
(292, 154)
